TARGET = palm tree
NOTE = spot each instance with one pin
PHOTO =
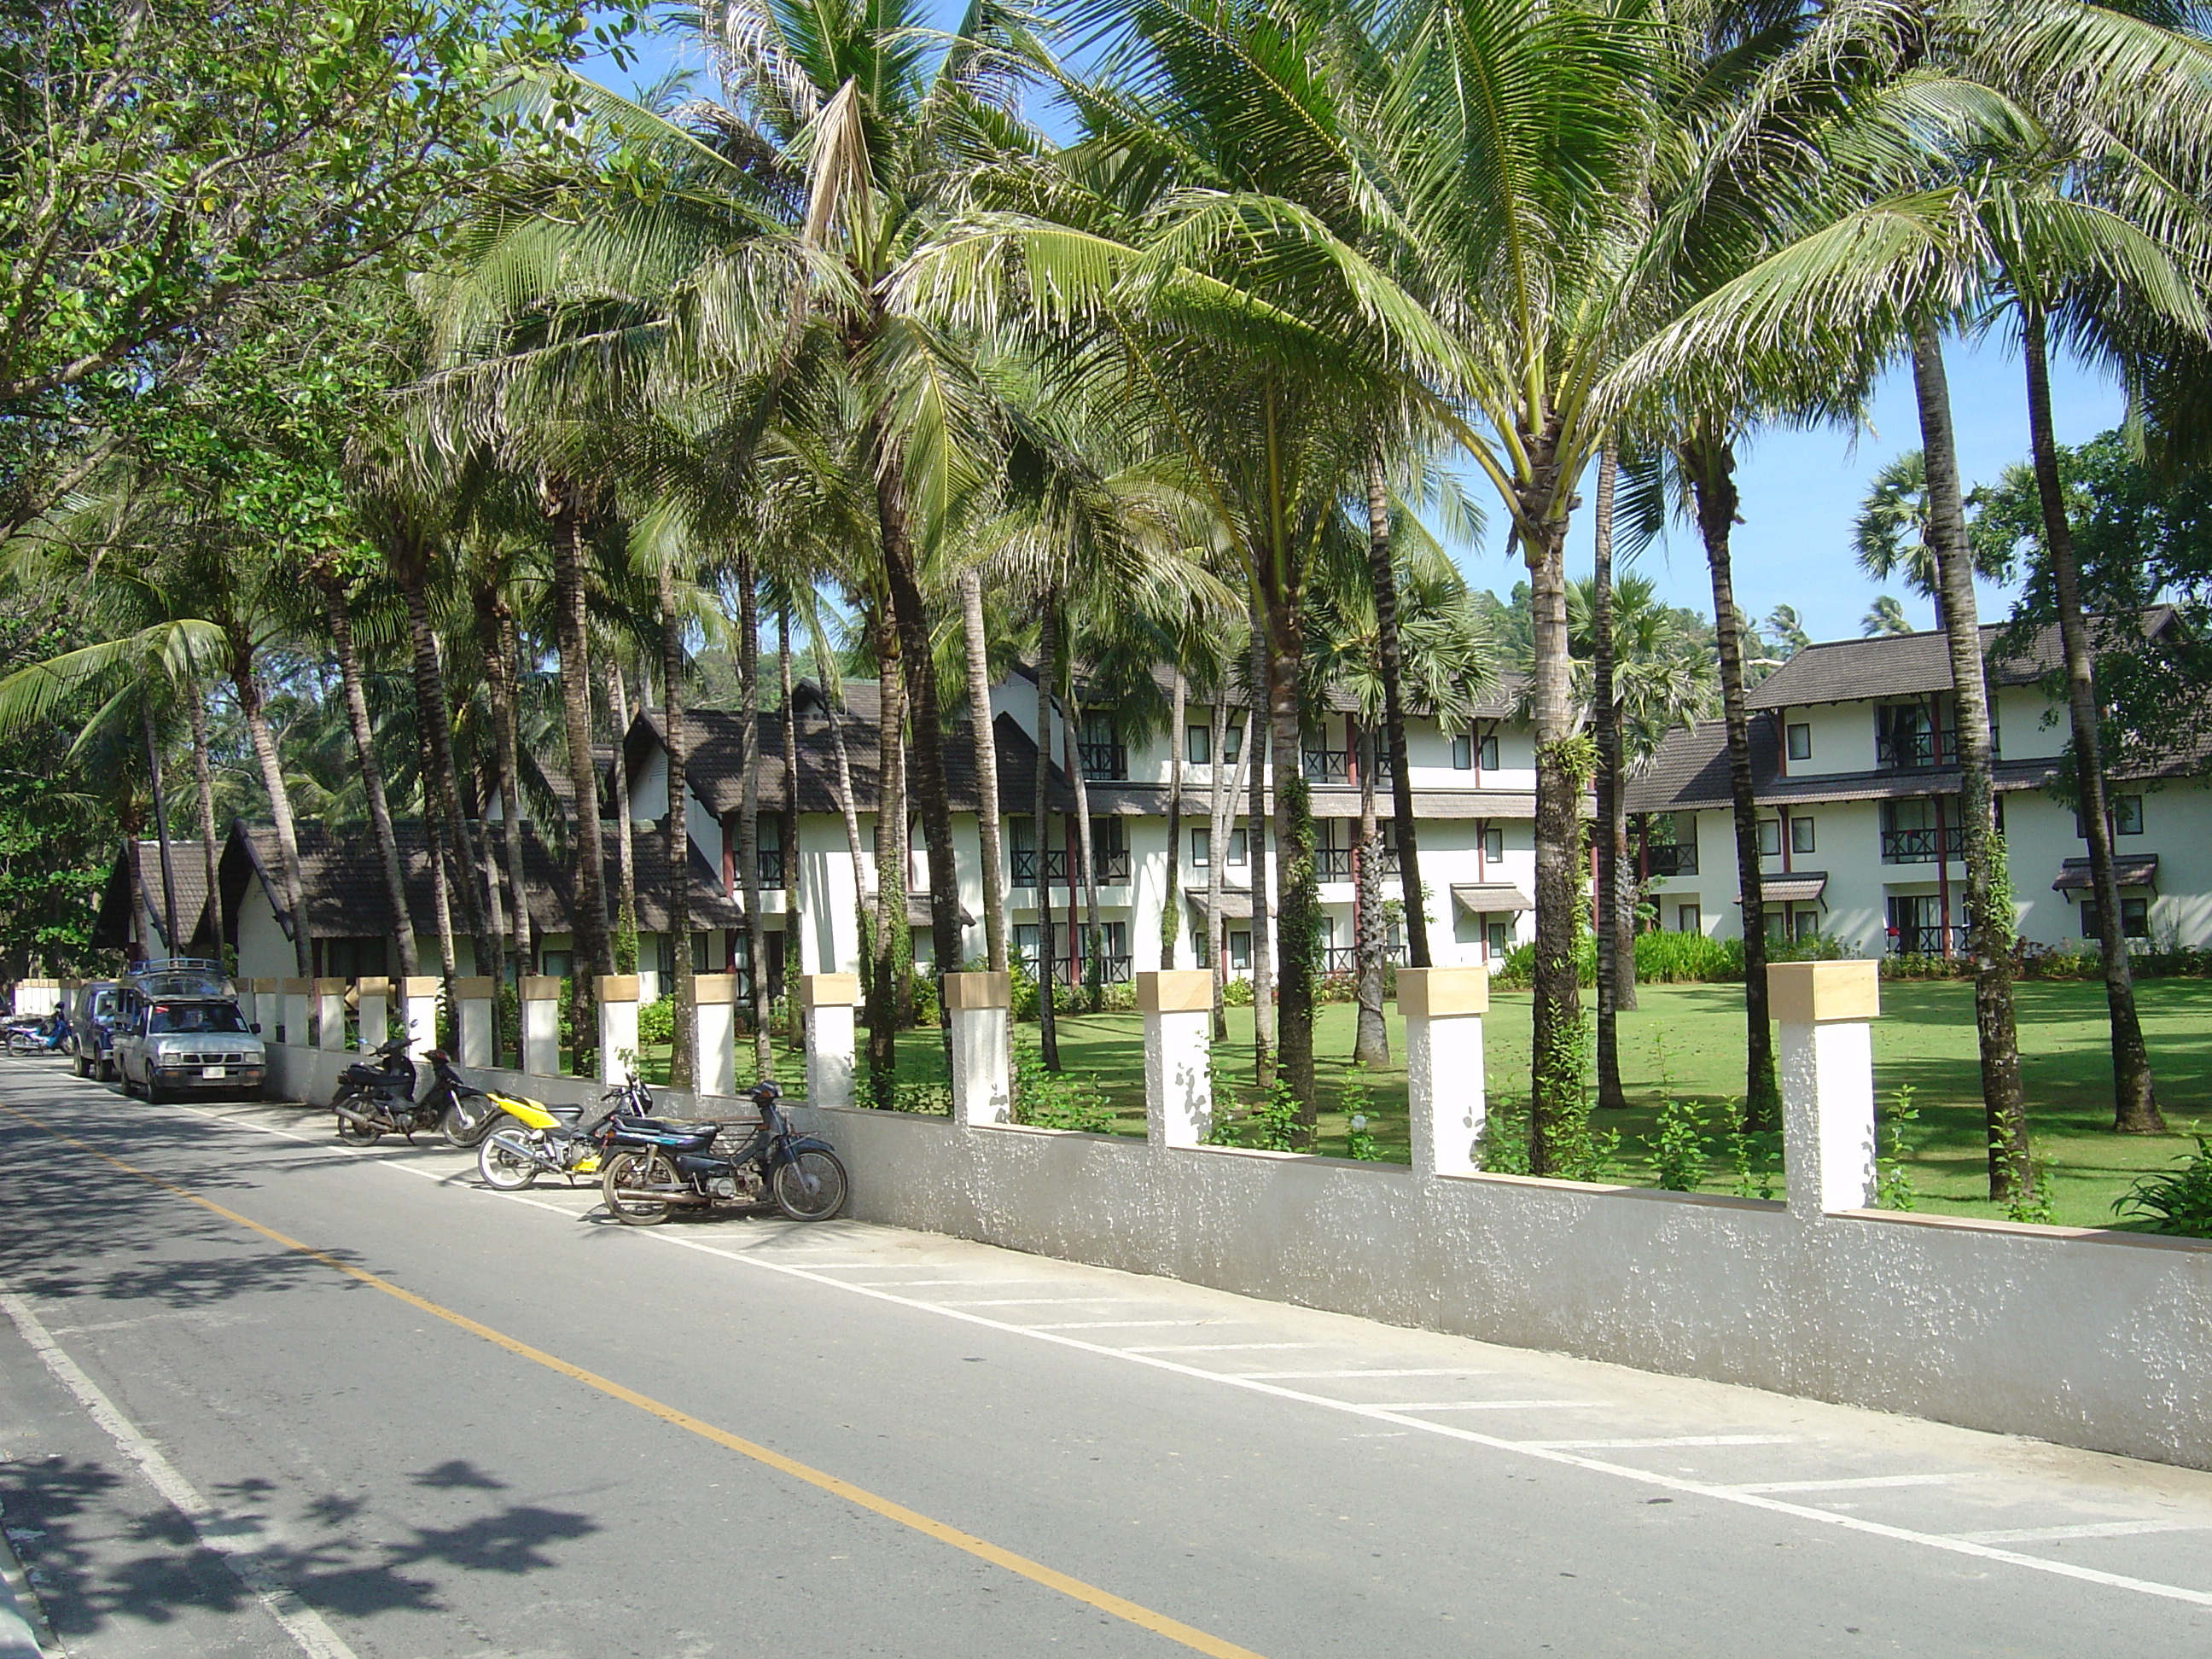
(1884, 616)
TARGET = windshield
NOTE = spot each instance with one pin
(193, 1017)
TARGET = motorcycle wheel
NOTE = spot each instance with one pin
(358, 1134)
(636, 1169)
(788, 1186)
(456, 1129)
(504, 1161)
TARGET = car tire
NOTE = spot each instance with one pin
(78, 1066)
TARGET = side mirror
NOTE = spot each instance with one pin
(255, 1028)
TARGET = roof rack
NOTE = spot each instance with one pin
(180, 976)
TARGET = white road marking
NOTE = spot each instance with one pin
(228, 1537)
(1212, 1348)
(1097, 1324)
(970, 1284)
(1268, 1377)
(2087, 1530)
(1861, 1483)
(1034, 1302)
(1664, 1440)
(764, 1259)
(1494, 1405)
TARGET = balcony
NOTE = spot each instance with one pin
(769, 863)
(1345, 958)
(1927, 941)
(1111, 864)
(1676, 858)
(1327, 765)
(1071, 972)
(1895, 752)
(1923, 846)
(1107, 762)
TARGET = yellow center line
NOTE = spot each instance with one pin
(1075, 1588)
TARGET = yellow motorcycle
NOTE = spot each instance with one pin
(534, 1139)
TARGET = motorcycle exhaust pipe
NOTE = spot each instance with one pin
(358, 1120)
(543, 1160)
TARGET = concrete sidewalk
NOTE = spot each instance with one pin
(23, 1630)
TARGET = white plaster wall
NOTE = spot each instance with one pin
(2092, 1339)
(263, 950)
(2030, 726)
(1843, 738)
(2178, 827)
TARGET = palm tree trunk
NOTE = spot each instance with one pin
(204, 786)
(794, 931)
(134, 868)
(1710, 459)
(1263, 944)
(1382, 574)
(160, 794)
(339, 612)
(1370, 1042)
(573, 642)
(434, 713)
(1171, 908)
(749, 713)
(434, 834)
(1555, 1096)
(890, 928)
(676, 839)
(1605, 718)
(1298, 893)
(625, 941)
(1086, 870)
(1218, 807)
(502, 660)
(833, 708)
(1047, 942)
(251, 708)
(981, 738)
(1989, 914)
(2134, 1095)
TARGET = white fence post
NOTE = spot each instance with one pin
(372, 1012)
(419, 996)
(540, 995)
(714, 1033)
(1825, 1056)
(329, 1013)
(827, 1000)
(981, 1005)
(617, 1027)
(260, 1011)
(475, 1004)
(1178, 1009)
(1445, 1100)
(295, 994)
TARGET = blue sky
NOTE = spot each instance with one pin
(1801, 489)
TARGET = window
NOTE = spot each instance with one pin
(1463, 753)
(2127, 815)
(1801, 743)
(1806, 924)
(1770, 838)
(2134, 918)
(1232, 745)
(1490, 753)
(1801, 835)
(1027, 942)
(1688, 919)
(1198, 744)
(1493, 845)
(1240, 952)
(1498, 938)
(1238, 847)
(1201, 847)
(1777, 922)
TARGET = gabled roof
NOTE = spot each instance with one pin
(112, 926)
(1910, 665)
(342, 874)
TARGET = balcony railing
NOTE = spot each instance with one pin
(1345, 958)
(1926, 941)
(1074, 970)
(1923, 846)
(1111, 863)
(1336, 863)
(1328, 765)
(770, 865)
(1678, 858)
(1899, 750)
(1106, 762)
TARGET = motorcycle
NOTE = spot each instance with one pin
(36, 1034)
(376, 1097)
(527, 1138)
(649, 1174)
(471, 1113)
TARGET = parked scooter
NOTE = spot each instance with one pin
(38, 1033)
(471, 1113)
(531, 1138)
(649, 1174)
(375, 1098)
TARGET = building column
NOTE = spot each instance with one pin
(1177, 1005)
(420, 995)
(714, 1030)
(540, 995)
(295, 994)
(827, 1001)
(475, 1004)
(1825, 1058)
(259, 1006)
(1445, 1099)
(371, 1013)
(618, 1055)
(981, 1006)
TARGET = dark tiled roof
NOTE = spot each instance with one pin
(1906, 664)
(2130, 870)
(111, 929)
(343, 879)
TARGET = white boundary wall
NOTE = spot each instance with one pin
(2092, 1339)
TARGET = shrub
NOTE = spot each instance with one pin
(2178, 1201)
(1358, 1106)
(1678, 1147)
(1894, 1188)
(1049, 1100)
(656, 1021)
(1274, 1119)
(1237, 994)
(925, 1000)
(926, 1099)
(1822, 947)
(1917, 965)
(1681, 958)
(1504, 1146)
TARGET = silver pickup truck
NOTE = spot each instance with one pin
(179, 1031)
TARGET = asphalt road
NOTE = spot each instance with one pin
(349, 1403)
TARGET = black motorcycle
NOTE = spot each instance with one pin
(650, 1173)
(375, 1098)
